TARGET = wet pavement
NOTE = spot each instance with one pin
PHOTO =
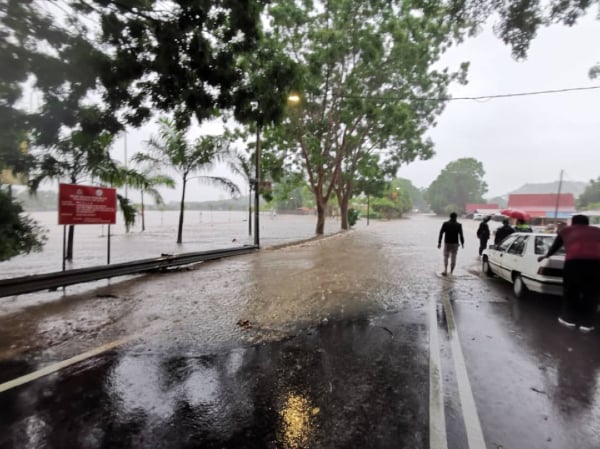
(353, 340)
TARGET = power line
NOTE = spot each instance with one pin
(476, 98)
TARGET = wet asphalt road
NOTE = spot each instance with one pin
(349, 341)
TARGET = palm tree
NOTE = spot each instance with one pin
(242, 165)
(146, 181)
(172, 149)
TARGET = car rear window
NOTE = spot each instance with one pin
(543, 244)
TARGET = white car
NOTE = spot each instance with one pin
(515, 259)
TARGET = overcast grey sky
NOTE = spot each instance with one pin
(518, 140)
(524, 139)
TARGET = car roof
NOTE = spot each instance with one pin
(536, 234)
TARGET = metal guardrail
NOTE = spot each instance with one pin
(52, 281)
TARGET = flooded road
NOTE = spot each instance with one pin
(352, 340)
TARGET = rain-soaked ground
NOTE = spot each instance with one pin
(353, 340)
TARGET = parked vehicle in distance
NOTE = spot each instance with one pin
(478, 217)
(515, 260)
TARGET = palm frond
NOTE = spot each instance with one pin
(220, 182)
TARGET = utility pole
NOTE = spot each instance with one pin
(125, 157)
(558, 197)
(257, 187)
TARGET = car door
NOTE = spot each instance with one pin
(514, 259)
(497, 253)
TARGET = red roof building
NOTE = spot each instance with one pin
(473, 207)
(543, 204)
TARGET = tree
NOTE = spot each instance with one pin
(370, 180)
(77, 158)
(459, 183)
(590, 198)
(242, 165)
(18, 234)
(171, 149)
(393, 204)
(147, 181)
(366, 67)
(288, 192)
(416, 195)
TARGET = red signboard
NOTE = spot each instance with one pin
(86, 205)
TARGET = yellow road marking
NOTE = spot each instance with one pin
(61, 365)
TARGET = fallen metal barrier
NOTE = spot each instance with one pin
(52, 281)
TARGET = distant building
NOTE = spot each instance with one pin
(472, 208)
(543, 205)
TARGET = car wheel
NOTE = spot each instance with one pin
(485, 267)
(519, 287)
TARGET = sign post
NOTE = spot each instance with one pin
(79, 204)
(64, 254)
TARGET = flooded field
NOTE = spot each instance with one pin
(203, 230)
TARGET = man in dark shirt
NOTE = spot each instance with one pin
(483, 234)
(504, 231)
(452, 231)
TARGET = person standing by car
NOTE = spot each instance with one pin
(503, 231)
(581, 281)
(452, 232)
(483, 234)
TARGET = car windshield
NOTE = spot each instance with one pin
(543, 244)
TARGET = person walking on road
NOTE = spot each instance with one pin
(483, 234)
(581, 280)
(503, 231)
(452, 232)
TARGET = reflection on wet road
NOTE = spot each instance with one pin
(325, 344)
(340, 384)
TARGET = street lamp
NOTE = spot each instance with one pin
(294, 98)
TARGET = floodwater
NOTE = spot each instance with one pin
(202, 231)
(322, 344)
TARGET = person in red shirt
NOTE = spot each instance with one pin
(581, 273)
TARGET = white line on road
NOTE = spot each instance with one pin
(61, 365)
(473, 426)
(437, 418)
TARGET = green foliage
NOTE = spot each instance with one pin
(591, 195)
(129, 211)
(393, 204)
(353, 216)
(461, 182)
(416, 195)
(75, 158)
(19, 234)
(288, 192)
(370, 179)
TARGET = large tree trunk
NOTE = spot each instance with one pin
(181, 208)
(70, 238)
(143, 213)
(320, 230)
(344, 212)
